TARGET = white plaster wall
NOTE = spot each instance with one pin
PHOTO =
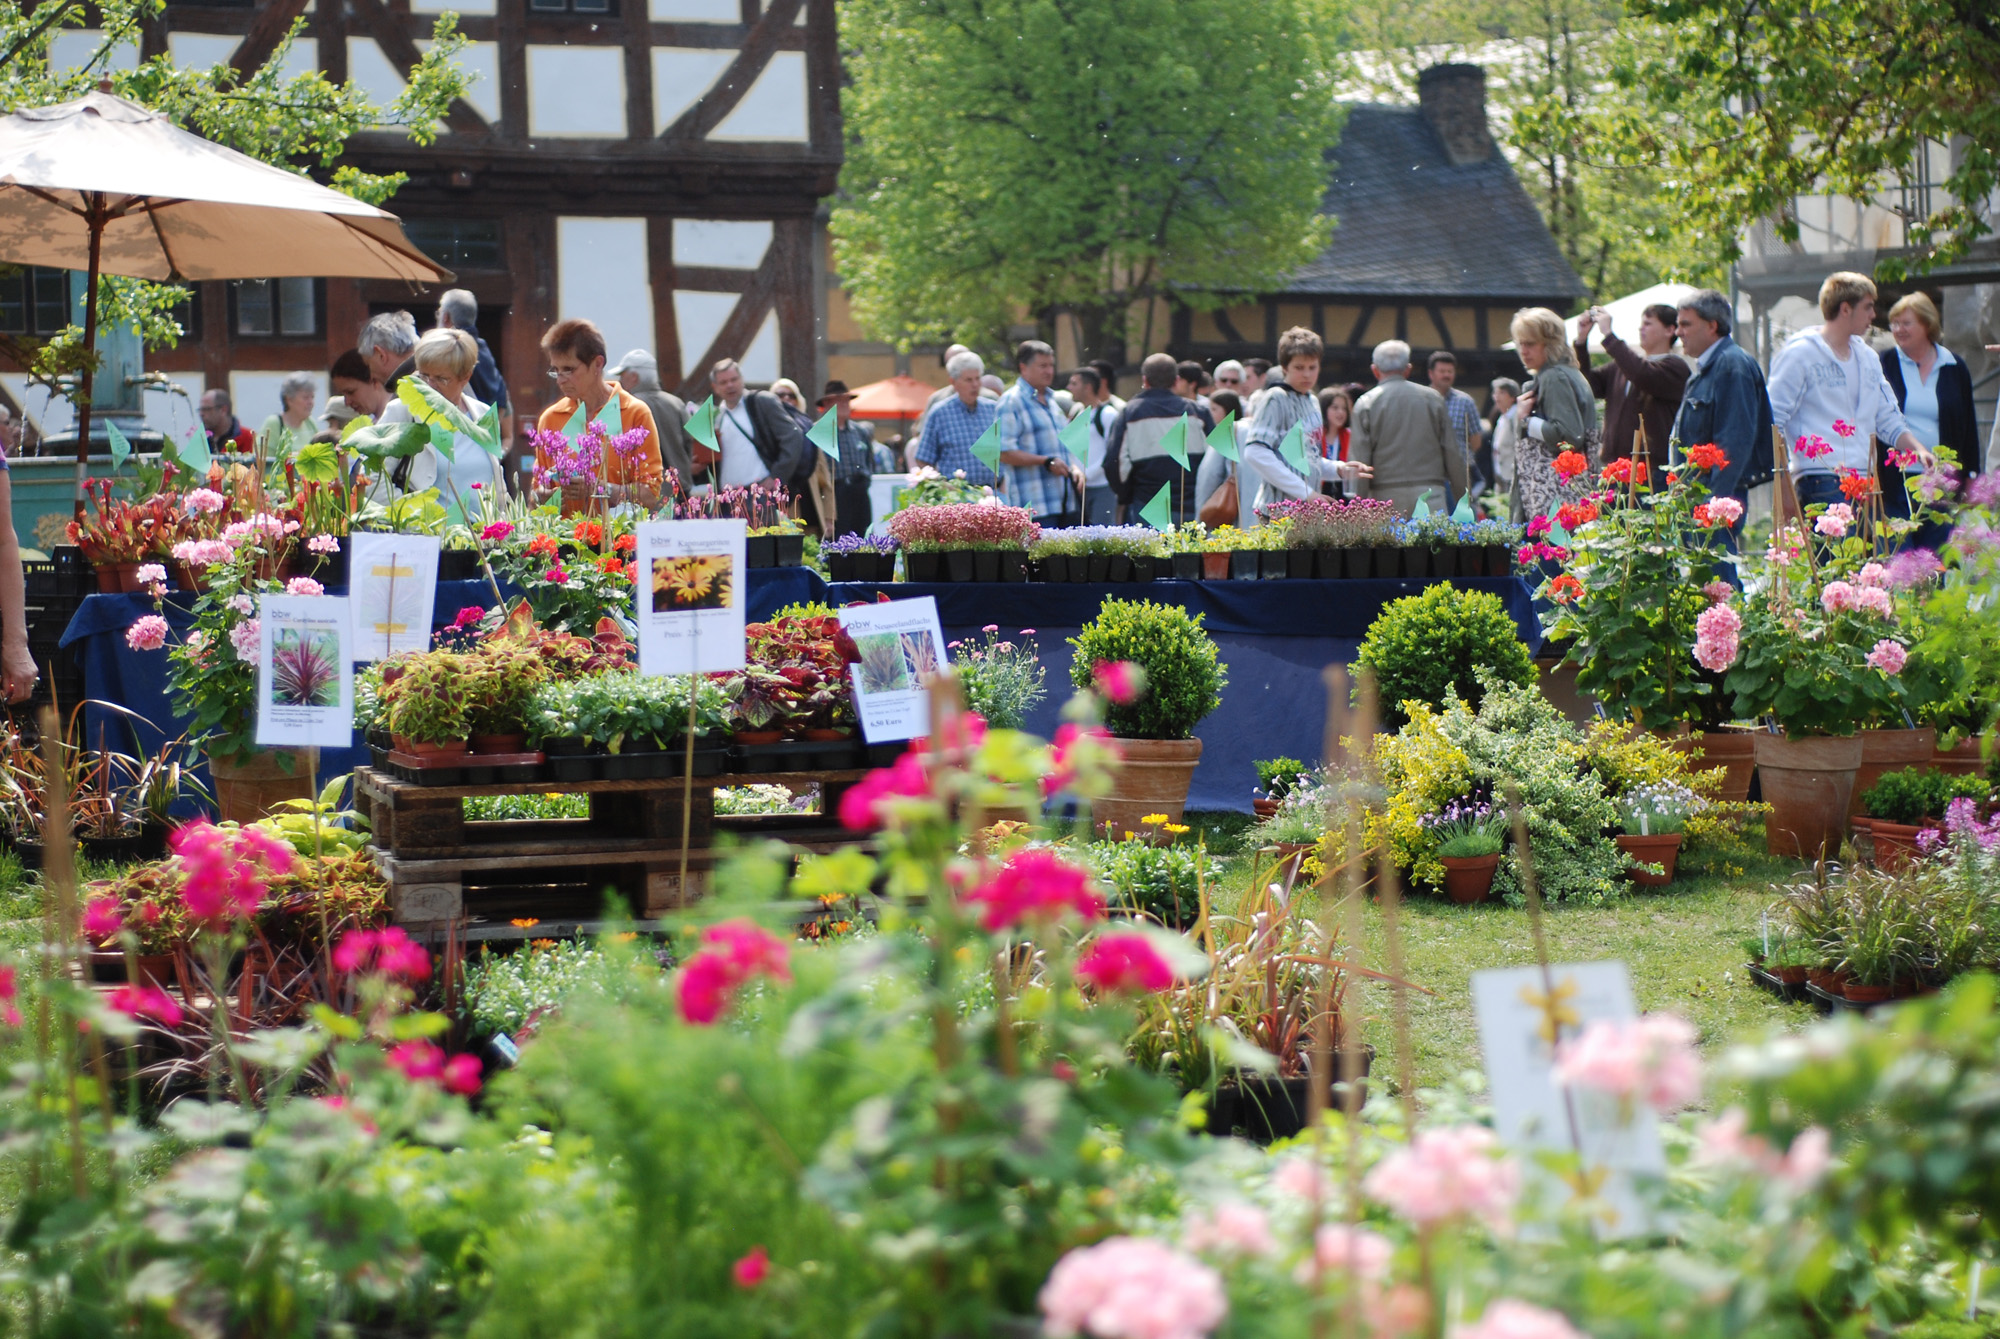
(480, 61)
(576, 92)
(775, 106)
(73, 46)
(369, 70)
(695, 11)
(699, 317)
(601, 277)
(456, 6)
(680, 76)
(760, 360)
(721, 243)
(200, 51)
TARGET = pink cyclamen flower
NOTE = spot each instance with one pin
(752, 1269)
(1124, 962)
(731, 954)
(244, 638)
(1356, 1252)
(1888, 656)
(304, 586)
(1119, 680)
(146, 1002)
(1650, 1059)
(151, 574)
(497, 531)
(1509, 1319)
(324, 544)
(1716, 631)
(1835, 520)
(1230, 1230)
(147, 633)
(10, 1011)
(206, 501)
(1132, 1288)
(1036, 885)
(1446, 1174)
(103, 917)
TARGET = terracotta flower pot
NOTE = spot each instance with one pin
(754, 737)
(251, 786)
(425, 748)
(1215, 567)
(1469, 878)
(1861, 994)
(1807, 781)
(1964, 758)
(1663, 850)
(1791, 976)
(1734, 751)
(1895, 843)
(1263, 807)
(1885, 751)
(1153, 779)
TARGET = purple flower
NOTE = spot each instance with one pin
(1913, 568)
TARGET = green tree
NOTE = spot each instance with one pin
(1022, 155)
(297, 122)
(1745, 107)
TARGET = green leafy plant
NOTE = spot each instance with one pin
(504, 678)
(428, 698)
(1277, 776)
(1001, 677)
(1421, 646)
(1184, 677)
(1467, 829)
(622, 711)
(1157, 879)
(505, 992)
(1658, 809)
(1914, 794)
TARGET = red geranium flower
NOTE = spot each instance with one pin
(1570, 464)
(1854, 485)
(541, 546)
(1624, 471)
(1707, 456)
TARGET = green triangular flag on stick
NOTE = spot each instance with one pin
(489, 425)
(987, 448)
(1422, 511)
(195, 455)
(825, 434)
(121, 449)
(1293, 448)
(1075, 436)
(1223, 437)
(1159, 513)
(1174, 443)
(1558, 536)
(1462, 513)
(701, 424)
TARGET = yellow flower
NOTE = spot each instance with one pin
(624, 936)
(1153, 820)
(1176, 829)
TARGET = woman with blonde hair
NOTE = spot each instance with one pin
(1934, 391)
(445, 359)
(1556, 413)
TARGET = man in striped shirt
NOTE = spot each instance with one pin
(1041, 474)
(1461, 411)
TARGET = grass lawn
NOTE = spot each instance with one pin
(1681, 944)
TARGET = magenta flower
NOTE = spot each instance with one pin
(1124, 961)
(418, 1061)
(732, 953)
(388, 952)
(1119, 680)
(1843, 429)
(556, 576)
(103, 917)
(869, 803)
(1036, 885)
(461, 1075)
(10, 1011)
(752, 1269)
(147, 633)
(146, 1002)
(1813, 447)
(225, 873)
(497, 531)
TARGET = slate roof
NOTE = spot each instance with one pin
(1414, 226)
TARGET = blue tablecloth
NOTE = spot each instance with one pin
(1275, 637)
(137, 680)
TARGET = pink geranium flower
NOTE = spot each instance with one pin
(1716, 631)
(1650, 1059)
(10, 1011)
(324, 544)
(146, 1002)
(147, 633)
(1508, 1319)
(1445, 1174)
(732, 953)
(752, 1269)
(418, 1061)
(1726, 1142)
(387, 952)
(225, 873)
(304, 586)
(1358, 1253)
(1132, 1288)
(103, 917)
(497, 531)
(1230, 1230)
(869, 803)
(1889, 657)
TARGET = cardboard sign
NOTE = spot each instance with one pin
(392, 581)
(1532, 1111)
(902, 646)
(305, 671)
(693, 579)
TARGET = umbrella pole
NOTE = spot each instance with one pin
(94, 219)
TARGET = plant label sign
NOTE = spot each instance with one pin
(692, 583)
(1524, 1017)
(901, 646)
(392, 581)
(305, 671)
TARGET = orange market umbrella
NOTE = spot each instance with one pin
(900, 396)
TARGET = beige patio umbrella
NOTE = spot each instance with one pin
(103, 185)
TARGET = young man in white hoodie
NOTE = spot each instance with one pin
(1828, 395)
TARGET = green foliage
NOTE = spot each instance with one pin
(1031, 153)
(1001, 677)
(1916, 793)
(504, 991)
(506, 808)
(1277, 776)
(1160, 881)
(1807, 668)
(1184, 678)
(428, 700)
(623, 709)
(1657, 810)
(1423, 646)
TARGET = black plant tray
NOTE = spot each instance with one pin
(471, 769)
(885, 755)
(1827, 1002)
(798, 755)
(648, 766)
(1784, 990)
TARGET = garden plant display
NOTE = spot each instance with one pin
(1445, 640)
(1002, 678)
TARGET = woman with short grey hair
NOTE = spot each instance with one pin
(293, 425)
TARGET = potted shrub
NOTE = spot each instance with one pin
(1903, 803)
(1183, 683)
(1469, 835)
(1421, 645)
(1876, 935)
(427, 704)
(1276, 778)
(1654, 821)
(1150, 878)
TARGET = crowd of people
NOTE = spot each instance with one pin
(1682, 378)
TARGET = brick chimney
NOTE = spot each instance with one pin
(1453, 100)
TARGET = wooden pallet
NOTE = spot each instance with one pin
(430, 854)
